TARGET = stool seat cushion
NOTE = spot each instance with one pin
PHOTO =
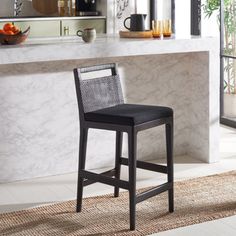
(129, 114)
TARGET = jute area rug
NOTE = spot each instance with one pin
(198, 200)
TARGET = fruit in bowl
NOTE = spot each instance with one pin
(11, 34)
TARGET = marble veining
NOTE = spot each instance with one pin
(39, 116)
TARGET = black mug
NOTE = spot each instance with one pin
(137, 22)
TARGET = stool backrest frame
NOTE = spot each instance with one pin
(99, 92)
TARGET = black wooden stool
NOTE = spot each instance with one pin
(101, 106)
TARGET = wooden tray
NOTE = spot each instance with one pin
(136, 34)
(46, 7)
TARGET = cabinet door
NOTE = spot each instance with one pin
(2, 24)
(41, 28)
(70, 27)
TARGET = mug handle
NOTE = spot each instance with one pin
(125, 22)
(79, 33)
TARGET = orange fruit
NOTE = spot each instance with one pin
(2, 31)
(17, 32)
(9, 32)
(8, 26)
(15, 29)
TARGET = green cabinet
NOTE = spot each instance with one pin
(41, 28)
(59, 27)
(70, 27)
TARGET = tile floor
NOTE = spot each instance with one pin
(35, 192)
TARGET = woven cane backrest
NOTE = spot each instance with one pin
(101, 92)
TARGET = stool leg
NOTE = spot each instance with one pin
(119, 138)
(82, 157)
(132, 143)
(170, 165)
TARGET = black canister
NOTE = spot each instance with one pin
(137, 22)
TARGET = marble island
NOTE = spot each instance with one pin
(39, 114)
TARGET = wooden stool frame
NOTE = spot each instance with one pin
(112, 177)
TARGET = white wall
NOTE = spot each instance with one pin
(182, 17)
(6, 8)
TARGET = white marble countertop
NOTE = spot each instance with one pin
(72, 48)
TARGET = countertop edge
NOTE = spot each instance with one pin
(74, 49)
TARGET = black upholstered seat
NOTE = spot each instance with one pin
(129, 114)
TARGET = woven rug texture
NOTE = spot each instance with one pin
(197, 200)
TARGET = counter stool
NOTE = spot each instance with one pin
(101, 106)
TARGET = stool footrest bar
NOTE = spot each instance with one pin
(110, 173)
(153, 192)
(103, 178)
(146, 166)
